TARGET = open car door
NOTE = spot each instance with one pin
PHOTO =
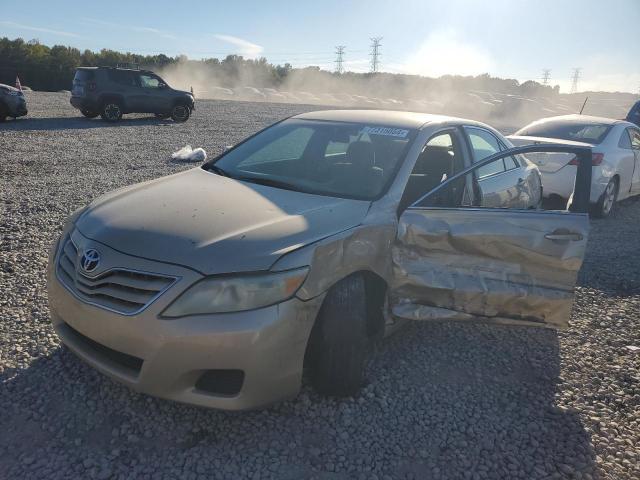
(466, 262)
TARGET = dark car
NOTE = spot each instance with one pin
(634, 114)
(12, 102)
(112, 92)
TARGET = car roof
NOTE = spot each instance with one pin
(104, 67)
(390, 118)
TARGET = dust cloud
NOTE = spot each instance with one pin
(504, 103)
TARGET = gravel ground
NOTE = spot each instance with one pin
(443, 400)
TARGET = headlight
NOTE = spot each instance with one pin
(237, 293)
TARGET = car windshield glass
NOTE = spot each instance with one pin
(348, 160)
(580, 132)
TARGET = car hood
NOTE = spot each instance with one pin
(214, 224)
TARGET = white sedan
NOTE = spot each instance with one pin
(616, 157)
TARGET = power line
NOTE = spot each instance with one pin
(375, 54)
(546, 74)
(339, 58)
(574, 80)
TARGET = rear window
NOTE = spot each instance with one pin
(83, 75)
(579, 132)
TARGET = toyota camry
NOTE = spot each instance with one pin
(296, 248)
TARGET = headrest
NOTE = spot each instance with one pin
(361, 154)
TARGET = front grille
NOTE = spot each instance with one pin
(120, 290)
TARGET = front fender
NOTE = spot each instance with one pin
(366, 247)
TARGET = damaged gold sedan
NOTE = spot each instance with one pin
(297, 247)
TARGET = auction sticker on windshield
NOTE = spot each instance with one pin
(387, 131)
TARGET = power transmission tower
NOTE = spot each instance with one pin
(375, 54)
(546, 74)
(340, 58)
(574, 80)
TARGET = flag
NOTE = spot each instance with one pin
(18, 86)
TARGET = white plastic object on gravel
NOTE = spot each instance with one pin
(188, 154)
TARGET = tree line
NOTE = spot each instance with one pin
(52, 68)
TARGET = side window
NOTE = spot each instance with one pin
(635, 139)
(484, 144)
(123, 77)
(439, 160)
(290, 146)
(510, 163)
(625, 139)
(149, 81)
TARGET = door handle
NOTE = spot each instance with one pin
(521, 181)
(563, 236)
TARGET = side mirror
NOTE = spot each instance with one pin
(162, 85)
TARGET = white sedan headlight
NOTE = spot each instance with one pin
(237, 293)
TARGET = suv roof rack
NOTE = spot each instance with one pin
(130, 66)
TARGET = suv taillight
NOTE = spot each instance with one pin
(596, 159)
(91, 86)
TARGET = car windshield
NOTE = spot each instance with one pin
(593, 133)
(349, 160)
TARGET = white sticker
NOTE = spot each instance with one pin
(388, 131)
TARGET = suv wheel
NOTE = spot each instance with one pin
(89, 113)
(111, 111)
(180, 113)
(339, 340)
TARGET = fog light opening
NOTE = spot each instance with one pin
(221, 382)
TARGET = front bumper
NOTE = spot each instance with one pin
(166, 358)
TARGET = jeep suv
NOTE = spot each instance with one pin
(111, 92)
(12, 103)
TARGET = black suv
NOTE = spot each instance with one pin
(110, 92)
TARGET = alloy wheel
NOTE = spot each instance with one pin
(112, 111)
(609, 198)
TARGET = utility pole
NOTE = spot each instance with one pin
(340, 58)
(546, 74)
(375, 54)
(574, 80)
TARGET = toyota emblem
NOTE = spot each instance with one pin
(90, 260)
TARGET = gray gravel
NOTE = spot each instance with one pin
(443, 400)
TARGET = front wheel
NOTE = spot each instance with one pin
(180, 113)
(607, 201)
(339, 340)
(111, 111)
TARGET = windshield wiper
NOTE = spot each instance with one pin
(270, 182)
(217, 170)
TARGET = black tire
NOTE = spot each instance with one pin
(111, 111)
(162, 116)
(180, 113)
(89, 113)
(607, 202)
(339, 341)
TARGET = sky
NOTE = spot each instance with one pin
(505, 38)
